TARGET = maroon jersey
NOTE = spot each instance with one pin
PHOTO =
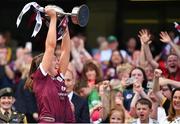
(52, 100)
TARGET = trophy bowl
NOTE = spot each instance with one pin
(80, 15)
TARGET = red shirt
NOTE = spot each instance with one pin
(165, 72)
(52, 100)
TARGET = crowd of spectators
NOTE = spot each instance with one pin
(107, 84)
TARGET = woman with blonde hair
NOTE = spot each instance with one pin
(117, 115)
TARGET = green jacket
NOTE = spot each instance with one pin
(15, 118)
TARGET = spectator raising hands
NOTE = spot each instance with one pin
(144, 36)
(167, 39)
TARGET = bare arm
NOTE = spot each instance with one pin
(65, 52)
(76, 58)
(142, 61)
(157, 74)
(176, 49)
(77, 52)
(132, 106)
(144, 95)
(83, 50)
(150, 57)
(154, 112)
(105, 105)
(50, 39)
(156, 85)
(104, 92)
(166, 39)
(134, 100)
(145, 41)
(165, 81)
(137, 87)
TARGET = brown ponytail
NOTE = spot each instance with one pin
(34, 65)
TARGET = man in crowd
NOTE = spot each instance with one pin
(79, 104)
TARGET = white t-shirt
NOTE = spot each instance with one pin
(161, 114)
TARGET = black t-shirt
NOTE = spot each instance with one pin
(166, 105)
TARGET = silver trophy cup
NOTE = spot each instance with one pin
(79, 15)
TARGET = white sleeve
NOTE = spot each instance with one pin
(42, 70)
(162, 118)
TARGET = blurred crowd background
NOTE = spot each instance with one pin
(118, 51)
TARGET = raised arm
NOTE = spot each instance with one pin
(50, 39)
(133, 103)
(155, 105)
(156, 85)
(165, 81)
(65, 52)
(142, 61)
(166, 39)
(150, 57)
(145, 38)
(76, 57)
(83, 50)
(157, 74)
(105, 94)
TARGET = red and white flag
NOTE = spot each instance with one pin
(177, 26)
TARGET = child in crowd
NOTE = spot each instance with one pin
(143, 110)
(117, 115)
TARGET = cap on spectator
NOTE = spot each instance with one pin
(112, 39)
(6, 92)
